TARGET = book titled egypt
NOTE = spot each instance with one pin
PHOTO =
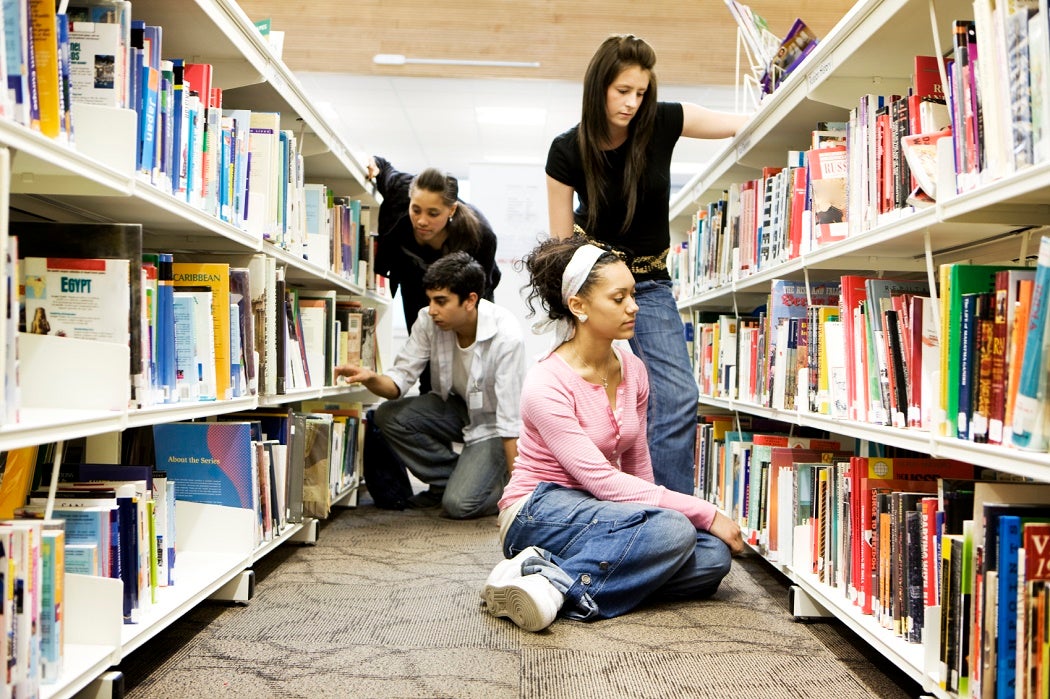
(82, 298)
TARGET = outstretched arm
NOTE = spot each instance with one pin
(700, 122)
(379, 384)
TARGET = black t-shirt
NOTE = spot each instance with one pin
(649, 232)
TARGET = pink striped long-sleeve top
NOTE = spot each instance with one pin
(571, 436)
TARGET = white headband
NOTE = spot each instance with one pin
(578, 269)
(572, 279)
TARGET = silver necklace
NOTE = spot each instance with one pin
(603, 378)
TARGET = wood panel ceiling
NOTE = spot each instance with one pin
(695, 40)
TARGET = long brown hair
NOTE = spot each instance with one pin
(464, 229)
(616, 54)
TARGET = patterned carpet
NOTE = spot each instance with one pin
(386, 605)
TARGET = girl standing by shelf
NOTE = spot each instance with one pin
(617, 161)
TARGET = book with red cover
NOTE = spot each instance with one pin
(926, 78)
(796, 226)
(883, 148)
(853, 292)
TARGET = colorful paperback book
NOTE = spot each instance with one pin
(81, 298)
(116, 241)
(216, 277)
(99, 37)
(828, 172)
(210, 461)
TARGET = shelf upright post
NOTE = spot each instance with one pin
(53, 486)
(931, 276)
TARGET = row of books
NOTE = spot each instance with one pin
(215, 328)
(820, 195)
(119, 519)
(31, 599)
(937, 551)
(872, 350)
(887, 164)
(186, 143)
(999, 94)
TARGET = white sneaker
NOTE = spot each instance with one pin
(510, 568)
(530, 601)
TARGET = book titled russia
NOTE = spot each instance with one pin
(828, 170)
(81, 298)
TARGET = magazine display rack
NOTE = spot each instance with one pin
(71, 394)
(871, 50)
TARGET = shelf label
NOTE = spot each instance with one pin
(743, 147)
(818, 73)
(277, 80)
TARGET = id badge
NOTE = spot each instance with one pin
(476, 400)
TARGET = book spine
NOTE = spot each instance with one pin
(898, 375)
(1028, 433)
(998, 377)
(983, 370)
(967, 340)
(1006, 633)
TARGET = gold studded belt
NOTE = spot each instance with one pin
(643, 264)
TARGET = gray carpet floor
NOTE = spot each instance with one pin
(386, 605)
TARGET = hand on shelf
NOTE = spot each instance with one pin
(728, 531)
(371, 169)
(348, 373)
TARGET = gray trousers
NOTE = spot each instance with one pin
(421, 430)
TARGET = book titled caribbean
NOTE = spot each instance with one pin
(210, 461)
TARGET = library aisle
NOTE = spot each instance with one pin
(386, 605)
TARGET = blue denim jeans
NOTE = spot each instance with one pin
(613, 556)
(659, 341)
(421, 429)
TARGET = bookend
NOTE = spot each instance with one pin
(109, 685)
(805, 608)
(239, 589)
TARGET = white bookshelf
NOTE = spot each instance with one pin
(871, 50)
(69, 395)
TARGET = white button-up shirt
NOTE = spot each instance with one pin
(497, 371)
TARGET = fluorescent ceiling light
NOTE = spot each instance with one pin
(397, 59)
(511, 116)
(512, 159)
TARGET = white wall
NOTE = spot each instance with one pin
(514, 200)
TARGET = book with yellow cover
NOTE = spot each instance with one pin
(45, 117)
(216, 276)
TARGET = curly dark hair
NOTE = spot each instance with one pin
(546, 264)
